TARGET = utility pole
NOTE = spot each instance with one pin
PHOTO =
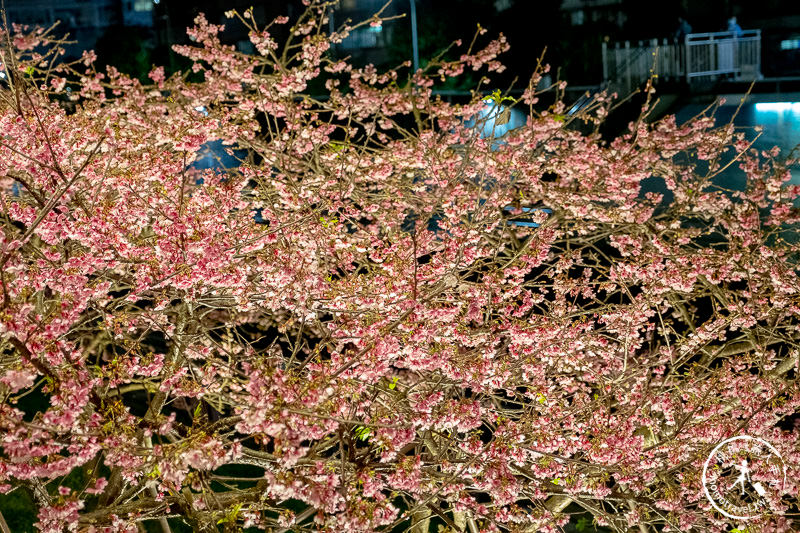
(414, 44)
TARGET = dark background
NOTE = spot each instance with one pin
(135, 34)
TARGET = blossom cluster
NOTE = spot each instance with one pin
(381, 343)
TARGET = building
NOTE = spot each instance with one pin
(586, 12)
(84, 20)
(138, 12)
(368, 43)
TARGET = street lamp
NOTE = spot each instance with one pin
(414, 45)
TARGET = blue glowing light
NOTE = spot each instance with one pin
(778, 106)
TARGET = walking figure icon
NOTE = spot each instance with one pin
(744, 475)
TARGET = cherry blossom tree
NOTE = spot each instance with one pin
(366, 326)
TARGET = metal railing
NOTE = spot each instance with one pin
(626, 66)
(724, 53)
(699, 56)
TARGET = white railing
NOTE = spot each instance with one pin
(713, 54)
(625, 67)
(699, 56)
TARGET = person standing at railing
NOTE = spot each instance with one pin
(728, 52)
(684, 29)
(733, 26)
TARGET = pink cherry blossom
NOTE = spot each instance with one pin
(355, 317)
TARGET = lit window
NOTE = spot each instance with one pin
(790, 44)
(142, 5)
(361, 38)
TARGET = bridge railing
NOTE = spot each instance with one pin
(700, 56)
(724, 53)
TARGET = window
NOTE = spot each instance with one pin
(577, 17)
(361, 38)
(142, 5)
(790, 44)
(66, 16)
(86, 17)
(246, 47)
(30, 16)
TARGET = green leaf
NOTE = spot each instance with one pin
(29, 71)
(362, 433)
(540, 398)
(232, 515)
(393, 384)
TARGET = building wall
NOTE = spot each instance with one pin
(366, 43)
(85, 21)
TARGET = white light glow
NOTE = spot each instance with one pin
(778, 106)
